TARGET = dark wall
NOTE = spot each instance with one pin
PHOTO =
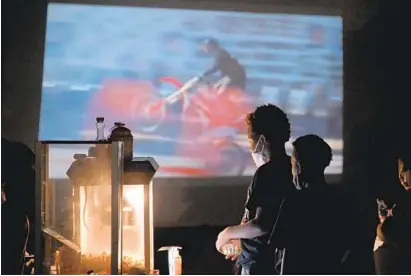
(376, 94)
(22, 48)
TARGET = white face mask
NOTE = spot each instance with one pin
(258, 159)
(258, 153)
(297, 180)
(298, 183)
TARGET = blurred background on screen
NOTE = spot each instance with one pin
(120, 63)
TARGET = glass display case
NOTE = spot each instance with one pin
(93, 209)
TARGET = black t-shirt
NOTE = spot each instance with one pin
(228, 65)
(392, 259)
(271, 183)
(315, 231)
(402, 211)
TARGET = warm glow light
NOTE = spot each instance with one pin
(95, 222)
(133, 236)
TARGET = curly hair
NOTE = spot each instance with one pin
(313, 152)
(270, 121)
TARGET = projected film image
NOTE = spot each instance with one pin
(183, 81)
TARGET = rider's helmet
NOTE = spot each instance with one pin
(210, 45)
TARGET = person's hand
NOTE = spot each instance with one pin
(222, 240)
(235, 251)
(390, 212)
(232, 257)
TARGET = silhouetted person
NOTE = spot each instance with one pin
(225, 64)
(17, 204)
(312, 225)
(402, 209)
(392, 257)
(268, 131)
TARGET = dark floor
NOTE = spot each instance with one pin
(199, 254)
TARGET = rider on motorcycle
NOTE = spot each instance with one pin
(232, 75)
(232, 72)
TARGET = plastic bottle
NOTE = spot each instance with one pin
(178, 263)
(100, 128)
(175, 262)
(100, 150)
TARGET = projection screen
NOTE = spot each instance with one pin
(140, 65)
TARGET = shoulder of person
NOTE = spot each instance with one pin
(223, 53)
(264, 171)
(272, 176)
(260, 177)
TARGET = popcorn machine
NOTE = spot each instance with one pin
(93, 207)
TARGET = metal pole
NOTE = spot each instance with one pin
(116, 172)
(148, 227)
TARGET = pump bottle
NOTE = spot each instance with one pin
(175, 262)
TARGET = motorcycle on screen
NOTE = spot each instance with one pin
(205, 120)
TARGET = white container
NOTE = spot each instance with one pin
(175, 262)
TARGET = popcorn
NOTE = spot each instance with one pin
(232, 248)
(100, 265)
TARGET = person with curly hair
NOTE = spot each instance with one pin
(268, 131)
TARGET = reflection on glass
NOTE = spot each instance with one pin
(77, 214)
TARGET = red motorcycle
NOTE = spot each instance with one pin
(210, 117)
